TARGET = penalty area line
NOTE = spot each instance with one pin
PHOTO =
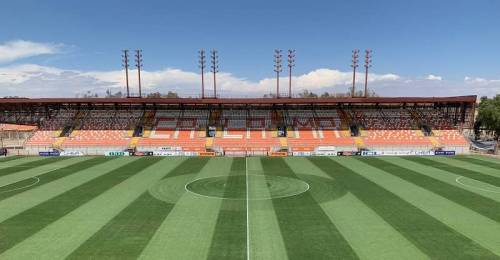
(457, 180)
(24, 187)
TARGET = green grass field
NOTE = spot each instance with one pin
(250, 208)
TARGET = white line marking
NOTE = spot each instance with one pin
(473, 187)
(33, 184)
(249, 199)
(248, 216)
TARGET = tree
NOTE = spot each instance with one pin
(489, 116)
(89, 94)
(172, 94)
(325, 95)
(307, 94)
(110, 94)
(154, 95)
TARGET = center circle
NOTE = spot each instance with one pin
(262, 187)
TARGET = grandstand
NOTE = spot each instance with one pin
(263, 126)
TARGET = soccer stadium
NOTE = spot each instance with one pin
(268, 178)
(273, 172)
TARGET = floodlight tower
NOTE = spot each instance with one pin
(277, 69)
(125, 66)
(368, 64)
(139, 66)
(214, 57)
(291, 64)
(355, 60)
(202, 65)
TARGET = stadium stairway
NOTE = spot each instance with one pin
(202, 133)
(218, 132)
(58, 143)
(419, 133)
(57, 133)
(78, 121)
(74, 133)
(434, 141)
(209, 142)
(359, 142)
(345, 121)
(147, 122)
(416, 116)
(284, 143)
(133, 142)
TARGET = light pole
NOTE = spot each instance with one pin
(355, 57)
(215, 68)
(368, 64)
(125, 65)
(277, 69)
(291, 64)
(202, 66)
(139, 66)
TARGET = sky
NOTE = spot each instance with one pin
(420, 48)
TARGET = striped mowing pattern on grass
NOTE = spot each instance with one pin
(54, 241)
(495, 160)
(454, 216)
(187, 231)
(10, 158)
(31, 172)
(139, 220)
(428, 234)
(495, 181)
(367, 208)
(306, 229)
(229, 239)
(369, 235)
(28, 165)
(17, 187)
(485, 206)
(479, 162)
(24, 225)
(266, 241)
(19, 161)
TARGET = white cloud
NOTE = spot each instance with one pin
(228, 84)
(434, 77)
(35, 80)
(40, 81)
(14, 50)
(481, 81)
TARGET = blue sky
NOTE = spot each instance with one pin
(455, 41)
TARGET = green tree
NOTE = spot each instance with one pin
(489, 116)
(325, 95)
(154, 95)
(172, 94)
(307, 94)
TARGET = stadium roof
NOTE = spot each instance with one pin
(238, 101)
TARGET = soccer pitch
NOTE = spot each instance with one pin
(250, 208)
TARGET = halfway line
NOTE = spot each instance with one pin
(248, 218)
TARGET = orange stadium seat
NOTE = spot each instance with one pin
(248, 129)
(450, 137)
(394, 137)
(246, 139)
(42, 137)
(98, 138)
